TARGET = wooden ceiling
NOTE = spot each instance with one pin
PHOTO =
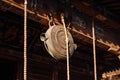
(11, 32)
(111, 8)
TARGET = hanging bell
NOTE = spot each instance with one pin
(54, 42)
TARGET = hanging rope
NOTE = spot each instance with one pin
(25, 39)
(67, 52)
(94, 50)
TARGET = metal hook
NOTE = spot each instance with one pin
(51, 22)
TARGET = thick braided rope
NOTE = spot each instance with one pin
(25, 40)
(94, 50)
(67, 52)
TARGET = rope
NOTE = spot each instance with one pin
(25, 39)
(67, 52)
(94, 50)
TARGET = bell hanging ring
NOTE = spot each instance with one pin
(54, 39)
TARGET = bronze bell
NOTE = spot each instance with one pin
(54, 42)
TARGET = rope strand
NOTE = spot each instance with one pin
(25, 40)
(94, 50)
(67, 52)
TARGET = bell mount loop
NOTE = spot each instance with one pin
(68, 26)
(51, 22)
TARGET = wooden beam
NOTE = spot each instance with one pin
(88, 10)
(111, 73)
(103, 43)
(37, 60)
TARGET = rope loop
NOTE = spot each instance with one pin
(67, 50)
(51, 22)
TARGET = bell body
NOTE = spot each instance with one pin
(55, 42)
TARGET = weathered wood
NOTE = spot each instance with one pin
(111, 73)
(38, 65)
(103, 42)
(88, 10)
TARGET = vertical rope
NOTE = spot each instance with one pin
(67, 52)
(25, 39)
(110, 78)
(94, 50)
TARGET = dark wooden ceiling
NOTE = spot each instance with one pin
(11, 34)
(110, 8)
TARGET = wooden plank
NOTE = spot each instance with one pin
(113, 48)
(88, 10)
